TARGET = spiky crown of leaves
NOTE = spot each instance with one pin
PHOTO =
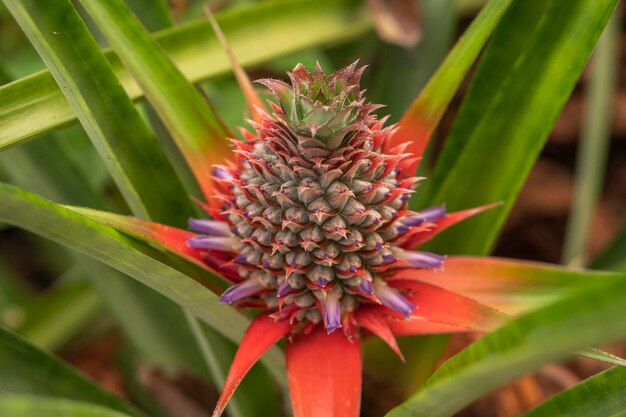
(320, 106)
(317, 206)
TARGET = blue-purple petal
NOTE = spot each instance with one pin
(209, 227)
(388, 258)
(332, 313)
(222, 173)
(394, 300)
(241, 259)
(224, 244)
(423, 259)
(428, 215)
(240, 291)
(283, 289)
(366, 287)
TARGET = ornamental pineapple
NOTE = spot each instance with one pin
(315, 210)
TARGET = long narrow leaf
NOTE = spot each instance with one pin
(160, 338)
(591, 316)
(489, 156)
(197, 130)
(113, 124)
(34, 105)
(398, 76)
(514, 287)
(510, 37)
(256, 396)
(501, 150)
(155, 15)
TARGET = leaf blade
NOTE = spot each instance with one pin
(509, 38)
(195, 51)
(590, 316)
(196, 128)
(526, 107)
(110, 119)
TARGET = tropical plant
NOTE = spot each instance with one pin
(306, 225)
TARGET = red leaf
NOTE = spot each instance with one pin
(442, 224)
(437, 305)
(262, 334)
(324, 374)
(169, 238)
(415, 326)
(510, 285)
(372, 320)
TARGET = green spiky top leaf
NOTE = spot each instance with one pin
(320, 106)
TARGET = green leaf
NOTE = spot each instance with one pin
(162, 338)
(154, 14)
(137, 260)
(27, 370)
(591, 316)
(508, 41)
(195, 127)
(122, 138)
(601, 395)
(427, 109)
(500, 151)
(254, 396)
(31, 406)
(602, 356)
(34, 105)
